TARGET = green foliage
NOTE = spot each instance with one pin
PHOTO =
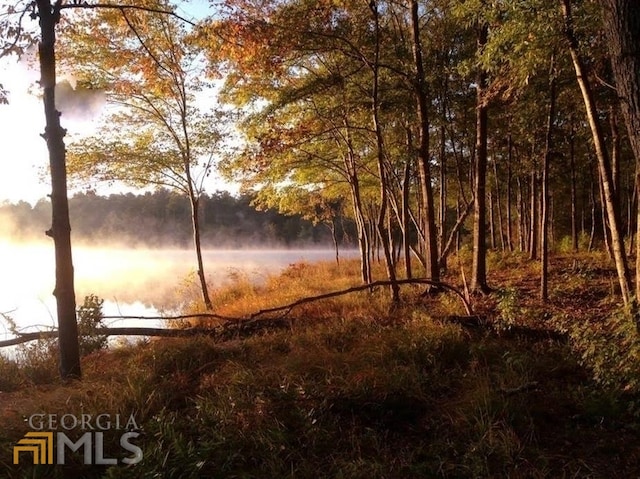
(89, 317)
(612, 351)
(509, 307)
(565, 245)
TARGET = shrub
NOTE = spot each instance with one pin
(612, 351)
(89, 321)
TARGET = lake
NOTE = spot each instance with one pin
(131, 281)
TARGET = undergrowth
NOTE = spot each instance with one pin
(353, 390)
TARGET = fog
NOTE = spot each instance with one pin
(131, 281)
(121, 252)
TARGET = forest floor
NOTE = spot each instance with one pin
(354, 390)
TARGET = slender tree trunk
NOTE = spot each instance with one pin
(498, 205)
(604, 164)
(195, 223)
(406, 185)
(534, 223)
(334, 237)
(509, 158)
(615, 152)
(442, 263)
(454, 234)
(552, 229)
(384, 201)
(492, 225)
(60, 231)
(572, 167)
(622, 27)
(592, 200)
(522, 244)
(632, 207)
(606, 231)
(479, 265)
(457, 232)
(548, 147)
(364, 243)
(421, 93)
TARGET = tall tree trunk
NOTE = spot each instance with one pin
(622, 27)
(592, 200)
(442, 230)
(522, 242)
(498, 204)
(604, 164)
(406, 185)
(548, 146)
(606, 231)
(334, 237)
(195, 224)
(194, 200)
(509, 158)
(632, 206)
(615, 152)
(421, 93)
(572, 167)
(479, 265)
(60, 225)
(382, 169)
(492, 224)
(364, 243)
(534, 223)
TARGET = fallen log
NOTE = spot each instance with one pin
(231, 330)
(233, 327)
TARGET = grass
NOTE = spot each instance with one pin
(354, 390)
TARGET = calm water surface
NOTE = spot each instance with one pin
(131, 281)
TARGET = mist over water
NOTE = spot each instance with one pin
(131, 281)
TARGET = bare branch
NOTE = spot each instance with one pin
(123, 8)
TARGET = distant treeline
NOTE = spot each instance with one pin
(162, 218)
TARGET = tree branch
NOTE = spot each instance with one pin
(123, 8)
(233, 326)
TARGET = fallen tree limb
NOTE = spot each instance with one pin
(26, 337)
(233, 327)
(178, 317)
(363, 287)
(225, 332)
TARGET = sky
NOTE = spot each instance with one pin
(23, 153)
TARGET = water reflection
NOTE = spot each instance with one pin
(133, 282)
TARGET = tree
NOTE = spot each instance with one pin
(548, 146)
(622, 28)
(163, 137)
(479, 267)
(424, 171)
(602, 155)
(49, 16)
(16, 39)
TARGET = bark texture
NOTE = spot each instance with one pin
(60, 225)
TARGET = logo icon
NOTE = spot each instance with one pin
(40, 444)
